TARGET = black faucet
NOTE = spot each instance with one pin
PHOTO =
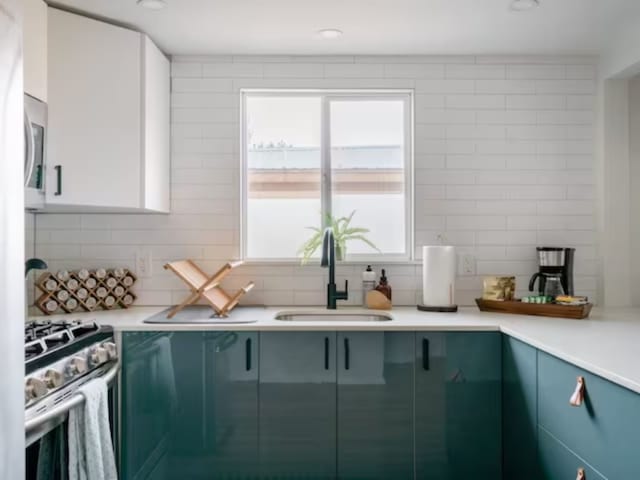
(329, 260)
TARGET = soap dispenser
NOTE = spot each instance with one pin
(384, 287)
(368, 283)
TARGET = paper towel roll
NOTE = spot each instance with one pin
(438, 275)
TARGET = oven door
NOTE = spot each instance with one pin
(35, 130)
(46, 434)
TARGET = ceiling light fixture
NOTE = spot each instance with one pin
(152, 4)
(524, 5)
(330, 33)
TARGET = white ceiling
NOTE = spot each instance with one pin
(372, 26)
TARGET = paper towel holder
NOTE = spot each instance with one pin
(429, 308)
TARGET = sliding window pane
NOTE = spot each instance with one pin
(368, 161)
(283, 173)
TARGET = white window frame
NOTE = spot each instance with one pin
(328, 95)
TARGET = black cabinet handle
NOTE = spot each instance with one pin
(346, 354)
(425, 354)
(58, 169)
(326, 353)
(38, 177)
(247, 346)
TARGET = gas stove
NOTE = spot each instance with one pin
(59, 357)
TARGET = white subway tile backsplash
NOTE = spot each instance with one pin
(504, 154)
(475, 71)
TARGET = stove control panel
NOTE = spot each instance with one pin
(63, 372)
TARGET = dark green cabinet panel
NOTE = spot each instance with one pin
(519, 410)
(557, 462)
(375, 405)
(458, 405)
(231, 405)
(605, 429)
(298, 405)
(189, 406)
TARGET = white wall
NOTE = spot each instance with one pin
(504, 162)
(634, 187)
(11, 243)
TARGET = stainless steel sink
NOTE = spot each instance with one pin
(332, 316)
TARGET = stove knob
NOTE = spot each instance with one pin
(111, 350)
(53, 378)
(35, 388)
(98, 356)
(77, 365)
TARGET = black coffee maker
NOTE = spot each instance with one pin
(554, 263)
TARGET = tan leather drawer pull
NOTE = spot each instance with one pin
(578, 396)
(581, 474)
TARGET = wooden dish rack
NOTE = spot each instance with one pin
(86, 292)
(207, 287)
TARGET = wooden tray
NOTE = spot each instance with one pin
(541, 309)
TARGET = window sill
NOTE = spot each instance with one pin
(316, 262)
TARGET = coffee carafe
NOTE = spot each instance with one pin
(554, 263)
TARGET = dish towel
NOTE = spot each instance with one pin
(90, 447)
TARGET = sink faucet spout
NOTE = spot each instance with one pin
(328, 260)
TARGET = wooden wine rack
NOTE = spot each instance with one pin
(95, 292)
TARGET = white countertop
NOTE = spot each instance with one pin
(607, 344)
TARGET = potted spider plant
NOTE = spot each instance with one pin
(343, 232)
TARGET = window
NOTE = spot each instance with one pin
(308, 156)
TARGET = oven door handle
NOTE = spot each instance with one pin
(75, 400)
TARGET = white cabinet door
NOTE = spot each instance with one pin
(95, 112)
(34, 33)
(157, 125)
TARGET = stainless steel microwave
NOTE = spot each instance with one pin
(35, 132)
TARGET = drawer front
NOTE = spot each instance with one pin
(605, 429)
(557, 462)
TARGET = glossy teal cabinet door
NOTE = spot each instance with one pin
(519, 410)
(458, 405)
(231, 405)
(375, 405)
(156, 396)
(189, 406)
(559, 463)
(297, 405)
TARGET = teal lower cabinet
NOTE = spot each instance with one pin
(365, 405)
(189, 406)
(559, 463)
(519, 410)
(375, 405)
(604, 430)
(458, 395)
(297, 407)
(230, 430)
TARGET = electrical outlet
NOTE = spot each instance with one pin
(466, 264)
(143, 264)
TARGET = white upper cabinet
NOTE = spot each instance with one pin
(108, 130)
(34, 28)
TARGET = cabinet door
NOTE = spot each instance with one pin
(231, 405)
(34, 29)
(458, 405)
(297, 405)
(375, 405)
(161, 403)
(519, 410)
(95, 109)
(557, 462)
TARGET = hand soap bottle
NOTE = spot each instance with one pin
(368, 283)
(384, 287)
